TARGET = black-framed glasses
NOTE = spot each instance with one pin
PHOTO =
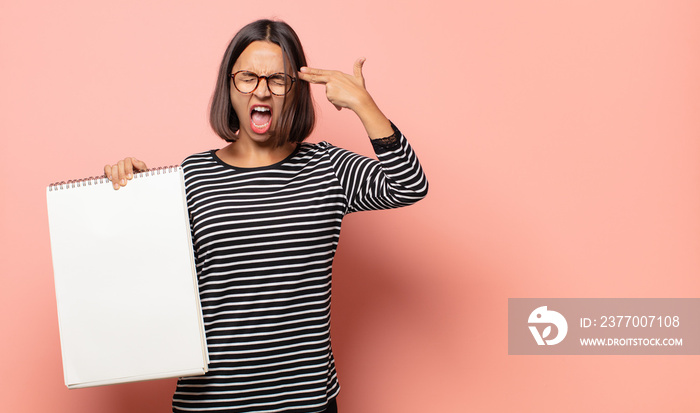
(247, 82)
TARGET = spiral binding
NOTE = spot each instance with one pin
(95, 180)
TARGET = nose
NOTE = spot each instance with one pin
(262, 90)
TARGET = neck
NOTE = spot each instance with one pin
(248, 153)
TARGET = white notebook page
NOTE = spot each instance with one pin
(126, 286)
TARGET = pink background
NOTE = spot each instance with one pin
(561, 140)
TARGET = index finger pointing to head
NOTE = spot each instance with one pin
(312, 71)
(313, 78)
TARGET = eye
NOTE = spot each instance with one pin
(246, 77)
(278, 79)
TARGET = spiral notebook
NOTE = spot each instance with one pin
(126, 285)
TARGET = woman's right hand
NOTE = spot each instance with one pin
(123, 171)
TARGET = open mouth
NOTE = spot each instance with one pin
(260, 118)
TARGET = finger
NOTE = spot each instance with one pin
(357, 68)
(108, 172)
(129, 168)
(122, 173)
(314, 71)
(114, 176)
(312, 78)
(139, 166)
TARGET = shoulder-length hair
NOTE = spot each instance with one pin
(297, 119)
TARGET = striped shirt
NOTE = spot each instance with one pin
(264, 241)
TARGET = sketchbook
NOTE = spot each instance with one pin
(126, 284)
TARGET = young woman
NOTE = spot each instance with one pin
(266, 211)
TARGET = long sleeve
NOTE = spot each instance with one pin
(265, 239)
(395, 180)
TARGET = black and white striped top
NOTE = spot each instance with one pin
(264, 241)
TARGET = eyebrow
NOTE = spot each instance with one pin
(253, 71)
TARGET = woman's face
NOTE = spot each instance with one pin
(259, 110)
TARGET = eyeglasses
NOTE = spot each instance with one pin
(277, 83)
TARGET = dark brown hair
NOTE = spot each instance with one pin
(297, 119)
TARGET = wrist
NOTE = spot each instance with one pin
(365, 106)
(376, 124)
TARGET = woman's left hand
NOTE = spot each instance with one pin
(342, 90)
